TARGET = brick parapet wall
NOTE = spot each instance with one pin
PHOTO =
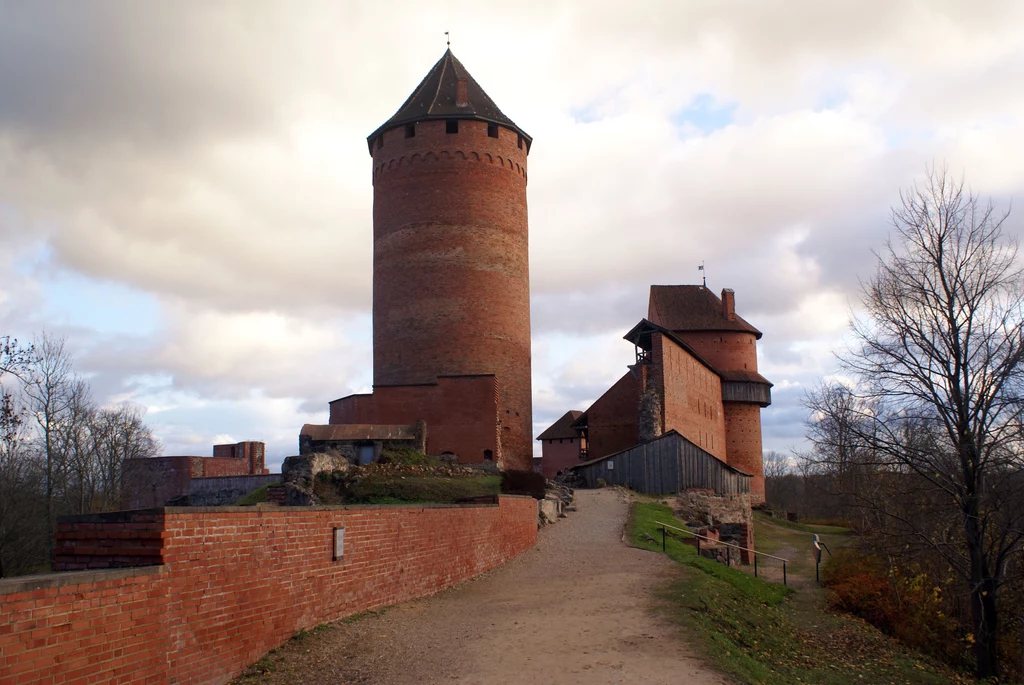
(155, 481)
(238, 581)
(119, 539)
(725, 350)
(461, 413)
(558, 455)
(613, 419)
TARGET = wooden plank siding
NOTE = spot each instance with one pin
(663, 466)
(749, 392)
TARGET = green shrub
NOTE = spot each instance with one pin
(754, 634)
(390, 489)
(406, 456)
(904, 603)
(523, 483)
(257, 496)
(642, 518)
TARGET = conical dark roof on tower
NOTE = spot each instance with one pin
(435, 98)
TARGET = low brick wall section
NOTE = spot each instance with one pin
(120, 539)
(224, 490)
(236, 582)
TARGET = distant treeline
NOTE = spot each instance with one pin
(60, 453)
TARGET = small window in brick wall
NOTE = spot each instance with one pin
(451, 126)
(492, 130)
(410, 130)
(520, 142)
(488, 455)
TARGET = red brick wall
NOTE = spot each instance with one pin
(149, 483)
(613, 420)
(461, 413)
(252, 452)
(691, 396)
(727, 351)
(213, 467)
(153, 482)
(119, 539)
(451, 277)
(743, 433)
(238, 581)
(559, 454)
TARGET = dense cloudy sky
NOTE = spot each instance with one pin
(185, 187)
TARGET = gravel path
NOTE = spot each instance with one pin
(574, 609)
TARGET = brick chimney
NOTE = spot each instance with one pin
(729, 303)
(461, 93)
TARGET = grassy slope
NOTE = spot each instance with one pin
(257, 496)
(397, 489)
(759, 632)
(794, 542)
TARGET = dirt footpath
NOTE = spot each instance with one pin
(574, 609)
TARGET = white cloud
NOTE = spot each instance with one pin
(211, 158)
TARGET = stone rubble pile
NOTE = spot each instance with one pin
(558, 499)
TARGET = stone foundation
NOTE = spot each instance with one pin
(725, 518)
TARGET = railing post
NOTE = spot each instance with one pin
(664, 532)
(728, 557)
(698, 547)
(784, 573)
(755, 566)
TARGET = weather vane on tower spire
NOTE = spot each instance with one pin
(447, 39)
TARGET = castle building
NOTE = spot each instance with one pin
(561, 445)
(695, 373)
(157, 481)
(451, 287)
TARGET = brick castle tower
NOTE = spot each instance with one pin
(451, 278)
(695, 374)
(713, 329)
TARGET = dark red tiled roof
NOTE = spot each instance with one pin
(560, 428)
(692, 308)
(743, 376)
(434, 98)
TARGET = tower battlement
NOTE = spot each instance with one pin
(432, 142)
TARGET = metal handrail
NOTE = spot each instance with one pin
(699, 537)
(729, 544)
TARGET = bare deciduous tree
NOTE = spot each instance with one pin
(776, 465)
(931, 426)
(59, 452)
(119, 433)
(17, 469)
(51, 391)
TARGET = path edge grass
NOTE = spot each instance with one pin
(745, 624)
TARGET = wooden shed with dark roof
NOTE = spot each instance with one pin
(668, 464)
(361, 443)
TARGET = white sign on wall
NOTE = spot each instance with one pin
(339, 543)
